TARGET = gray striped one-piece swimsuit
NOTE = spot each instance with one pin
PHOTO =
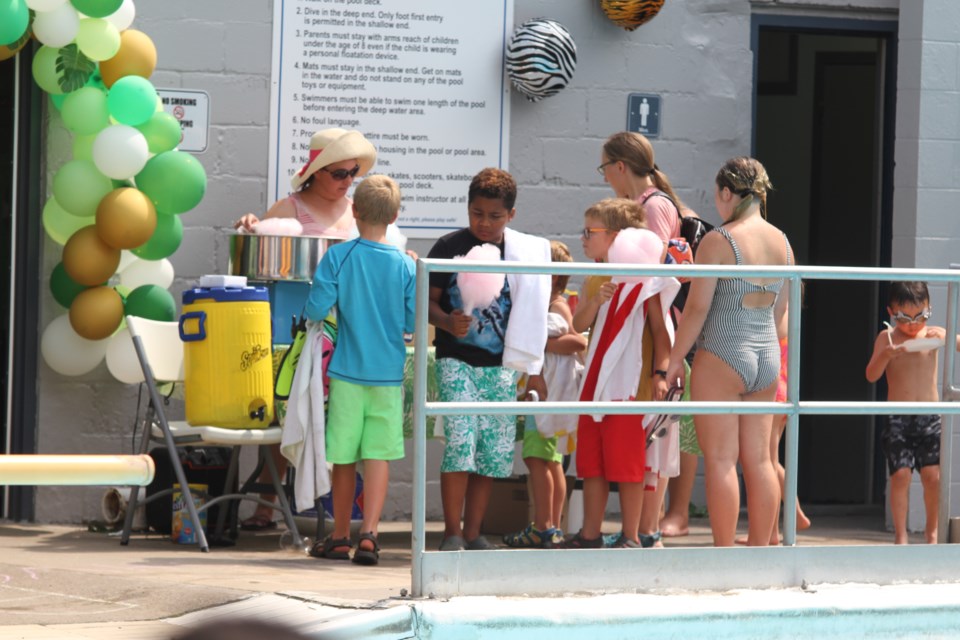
(745, 338)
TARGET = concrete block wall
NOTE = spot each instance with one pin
(927, 176)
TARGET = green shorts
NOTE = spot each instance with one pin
(688, 434)
(364, 423)
(536, 446)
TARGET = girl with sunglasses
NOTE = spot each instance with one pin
(320, 201)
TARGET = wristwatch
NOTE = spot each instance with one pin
(661, 373)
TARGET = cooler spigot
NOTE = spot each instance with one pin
(259, 414)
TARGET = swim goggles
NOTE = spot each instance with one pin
(901, 318)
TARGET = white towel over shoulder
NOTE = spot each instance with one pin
(530, 298)
(303, 441)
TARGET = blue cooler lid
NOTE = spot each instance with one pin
(226, 294)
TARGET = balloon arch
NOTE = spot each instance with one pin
(116, 205)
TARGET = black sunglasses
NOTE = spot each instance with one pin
(342, 174)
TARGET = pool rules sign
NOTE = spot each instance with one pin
(422, 79)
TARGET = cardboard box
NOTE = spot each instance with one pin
(509, 508)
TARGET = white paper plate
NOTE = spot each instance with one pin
(922, 344)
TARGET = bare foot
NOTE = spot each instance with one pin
(803, 522)
(674, 526)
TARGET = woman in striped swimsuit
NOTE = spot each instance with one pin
(735, 320)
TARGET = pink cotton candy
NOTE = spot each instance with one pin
(635, 246)
(479, 290)
(278, 227)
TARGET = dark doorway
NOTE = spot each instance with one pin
(20, 212)
(824, 131)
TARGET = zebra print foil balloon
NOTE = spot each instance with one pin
(630, 14)
(541, 58)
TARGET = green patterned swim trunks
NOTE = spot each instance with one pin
(479, 444)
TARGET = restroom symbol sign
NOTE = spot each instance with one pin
(643, 114)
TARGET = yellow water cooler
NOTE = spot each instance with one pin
(228, 367)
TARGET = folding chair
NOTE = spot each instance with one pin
(160, 353)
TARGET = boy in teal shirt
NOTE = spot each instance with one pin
(372, 285)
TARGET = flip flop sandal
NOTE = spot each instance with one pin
(367, 557)
(257, 523)
(328, 548)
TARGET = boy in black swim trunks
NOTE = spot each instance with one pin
(910, 442)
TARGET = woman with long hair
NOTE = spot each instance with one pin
(628, 165)
(734, 321)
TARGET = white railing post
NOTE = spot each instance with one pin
(418, 533)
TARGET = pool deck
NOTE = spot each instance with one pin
(69, 583)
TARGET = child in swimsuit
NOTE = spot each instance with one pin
(910, 442)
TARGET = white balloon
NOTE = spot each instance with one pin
(123, 17)
(120, 151)
(66, 352)
(122, 359)
(141, 272)
(57, 27)
(44, 5)
(126, 259)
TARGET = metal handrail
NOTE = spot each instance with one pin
(793, 407)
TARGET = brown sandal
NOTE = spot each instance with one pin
(329, 548)
(367, 557)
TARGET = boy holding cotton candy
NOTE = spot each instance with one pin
(612, 448)
(489, 330)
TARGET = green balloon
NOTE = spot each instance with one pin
(84, 111)
(45, 69)
(165, 240)
(63, 288)
(83, 147)
(162, 132)
(57, 99)
(98, 39)
(174, 180)
(132, 100)
(14, 18)
(59, 224)
(79, 187)
(96, 81)
(151, 302)
(96, 8)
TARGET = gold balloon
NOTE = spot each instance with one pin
(96, 313)
(89, 260)
(630, 14)
(126, 218)
(137, 56)
(9, 50)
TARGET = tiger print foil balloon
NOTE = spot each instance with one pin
(630, 14)
(541, 57)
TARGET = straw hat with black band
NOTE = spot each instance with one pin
(330, 146)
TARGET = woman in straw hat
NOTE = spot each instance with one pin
(320, 201)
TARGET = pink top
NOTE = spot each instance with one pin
(662, 217)
(310, 226)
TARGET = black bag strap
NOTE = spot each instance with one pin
(664, 194)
